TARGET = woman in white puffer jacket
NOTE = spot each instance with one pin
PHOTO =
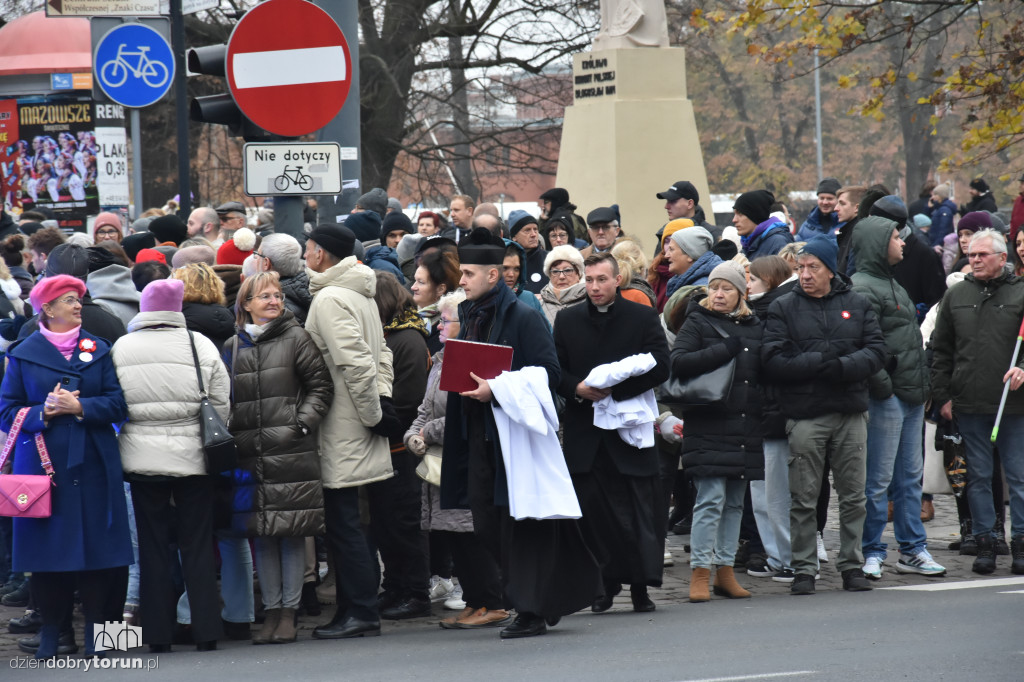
(162, 457)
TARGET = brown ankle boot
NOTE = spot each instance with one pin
(271, 618)
(726, 585)
(285, 631)
(699, 585)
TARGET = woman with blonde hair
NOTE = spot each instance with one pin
(722, 443)
(633, 268)
(205, 304)
(281, 391)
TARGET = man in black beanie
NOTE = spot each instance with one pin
(345, 325)
(822, 219)
(169, 228)
(760, 233)
(395, 226)
(555, 206)
(549, 572)
(981, 198)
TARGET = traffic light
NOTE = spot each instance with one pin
(220, 109)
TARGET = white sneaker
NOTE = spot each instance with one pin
(669, 561)
(455, 602)
(921, 563)
(872, 568)
(441, 588)
(822, 554)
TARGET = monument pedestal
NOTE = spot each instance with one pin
(630, 134)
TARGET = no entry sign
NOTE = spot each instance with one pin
(288, 67)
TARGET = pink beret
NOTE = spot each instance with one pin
(52, 288)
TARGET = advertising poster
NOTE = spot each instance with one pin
(56, 161)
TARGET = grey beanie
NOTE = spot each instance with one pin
(732, 273)
(375, 200)
(694, 241)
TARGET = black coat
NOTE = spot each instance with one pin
(803, 333)
(296, 295)
(920, 272)
(586, 338)
(526, 330)
(983, 202)
(721, 440)
(773, 422)
(411, 364)
(213, 321)
(535, 277)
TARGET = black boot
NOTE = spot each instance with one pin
(985, 563)
(999, 536)
(1017, 544)
(310, 605)
(968, 544)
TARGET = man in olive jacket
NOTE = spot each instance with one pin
(897, 394)
(345, 325)
(821, 345)
(973, 342)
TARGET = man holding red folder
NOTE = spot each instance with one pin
(546, 571)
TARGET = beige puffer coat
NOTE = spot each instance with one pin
(345, 326)
(157, 374)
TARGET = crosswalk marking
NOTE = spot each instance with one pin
(959, 585)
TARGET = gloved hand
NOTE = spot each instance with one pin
(388, 426)
(417, 446)
(665, 425)
(832, 370)
(734, 345)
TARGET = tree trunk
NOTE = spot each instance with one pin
(462, 163)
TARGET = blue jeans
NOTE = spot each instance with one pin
(770, 501)
(132, 597)
(716, 521)
(976, 430)
(895, 464)
(235, 583)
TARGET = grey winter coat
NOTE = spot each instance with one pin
(112, 288)
(430, 418)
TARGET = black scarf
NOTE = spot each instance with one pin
(480, 315)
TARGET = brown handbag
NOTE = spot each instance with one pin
(25, 496)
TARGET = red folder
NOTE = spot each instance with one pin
(486, 360)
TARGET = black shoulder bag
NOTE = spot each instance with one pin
(710, 388)
(218, 443)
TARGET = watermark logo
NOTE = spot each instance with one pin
(116, 636)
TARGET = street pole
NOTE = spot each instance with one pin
(344, 129)
(817, 114)
(137, 164)
(181, 108)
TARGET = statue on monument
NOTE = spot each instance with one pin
(632, 23)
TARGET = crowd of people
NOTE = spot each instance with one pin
(713, 386)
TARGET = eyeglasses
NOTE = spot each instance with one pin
(444, 322)
(259, 255)
(70, 300)
(605, 227)
(267, 297)
(564, 272)
(107, 230)
(979, 254)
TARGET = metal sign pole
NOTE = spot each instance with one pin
(181, 108)
(137, 164)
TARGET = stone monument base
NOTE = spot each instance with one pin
(630, 134)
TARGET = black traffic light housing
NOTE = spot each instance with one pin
(211, 60)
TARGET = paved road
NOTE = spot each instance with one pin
(907, 631)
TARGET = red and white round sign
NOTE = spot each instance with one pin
(288, 67)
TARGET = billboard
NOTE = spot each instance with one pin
(65, 154)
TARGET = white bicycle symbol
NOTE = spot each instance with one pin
(115, 73)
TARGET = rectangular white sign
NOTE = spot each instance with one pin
(112, 166)
(102, 8)
(283, 168)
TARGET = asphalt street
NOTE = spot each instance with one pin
(961, 627)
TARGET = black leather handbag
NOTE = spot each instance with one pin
(218, 443)
(710, 388)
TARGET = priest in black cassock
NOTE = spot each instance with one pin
(547, 571)
(618, 485)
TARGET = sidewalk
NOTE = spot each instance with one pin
(943, 529)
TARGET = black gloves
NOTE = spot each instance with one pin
(832, 370)
(389, 426)
(734, 345)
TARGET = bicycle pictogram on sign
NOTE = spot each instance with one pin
(134, 65)
(290, 175)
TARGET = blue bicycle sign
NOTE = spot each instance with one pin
(134, 65)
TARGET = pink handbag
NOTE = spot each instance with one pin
(25, 496)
